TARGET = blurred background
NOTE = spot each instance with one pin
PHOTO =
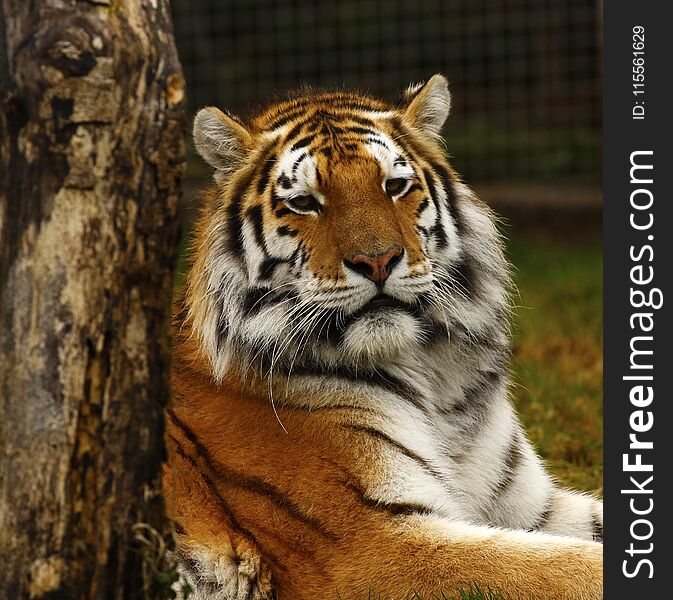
(525, 132)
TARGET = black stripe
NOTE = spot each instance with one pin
(405, 139)
(268, 267)
(222, 323)
(448, 182)
(412, 309)
(393, 508)
(286, 117)
(358, 119)
(464, 275)
(281, 212)
(414, 187)
(371, 140)
(190, 565)
(438, 231)
(265, 173)
(333, 131)
(544, 516)
(395, 386)
(330, 114)
(376, 379)
(257, 298)
(401, 132)
(421, 207)
(445, 178)
(254, 300)
(387, 382)
(596, 529)
(296, 164)
(313, 125)
(295, 131)
(250, 483)
(299, 256)
(298, 106)
(234, 219)
(439, 235)
(284, 181)
(254, 215)
(302, 143)
(330, 331)
(363, 131)
(457, 215)
(336, 116)
(373, 432)
(224, 507)
(286, 231)
(473, 408)
(429, 181)
(276, 200)
(179, 528)
(296, 545)
(486, 339)
(511, 463)
(328, 407)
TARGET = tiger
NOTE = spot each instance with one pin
(342, 424)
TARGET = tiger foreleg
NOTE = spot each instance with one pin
(445, 557)
(415, 556)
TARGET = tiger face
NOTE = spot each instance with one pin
(337, 233)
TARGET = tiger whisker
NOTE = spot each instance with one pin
(302, 342)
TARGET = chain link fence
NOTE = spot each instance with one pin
(525, 74)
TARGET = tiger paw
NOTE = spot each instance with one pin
(223, 576)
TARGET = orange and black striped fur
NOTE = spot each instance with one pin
(341, 421)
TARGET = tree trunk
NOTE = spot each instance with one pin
(91, 157)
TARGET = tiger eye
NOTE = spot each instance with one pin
(303, 203)
(395, 186)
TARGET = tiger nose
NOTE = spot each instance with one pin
(376, 267)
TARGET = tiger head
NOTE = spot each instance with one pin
(337, 233)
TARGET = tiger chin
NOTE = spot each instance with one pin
(341, 422)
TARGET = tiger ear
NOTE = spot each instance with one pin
(221, 140)
(428, 104)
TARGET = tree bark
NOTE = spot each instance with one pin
(91, 157)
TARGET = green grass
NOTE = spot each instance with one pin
(558, 351)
